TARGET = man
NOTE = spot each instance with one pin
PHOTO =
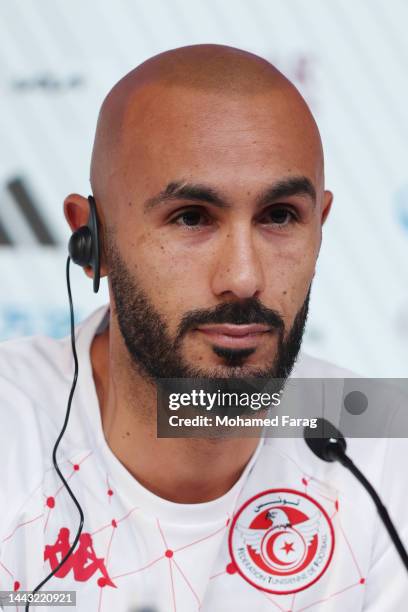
(207, 173)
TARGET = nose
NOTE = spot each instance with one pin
(238, 269)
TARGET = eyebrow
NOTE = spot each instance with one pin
(176, 190)
(285, 188)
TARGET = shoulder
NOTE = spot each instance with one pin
(36, 374)
(30, 371)
(27, 363)
(40, 367)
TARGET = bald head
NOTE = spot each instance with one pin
(195, 80)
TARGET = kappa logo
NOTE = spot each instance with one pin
(281, 541)
(83, 562)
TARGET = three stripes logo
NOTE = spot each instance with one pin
(21, 220)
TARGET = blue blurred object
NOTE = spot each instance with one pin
(401, 205)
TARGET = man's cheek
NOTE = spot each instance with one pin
(161, 263)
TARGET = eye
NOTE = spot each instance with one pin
(278, 215)
(190, 218)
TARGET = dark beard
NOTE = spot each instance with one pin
(155, 354)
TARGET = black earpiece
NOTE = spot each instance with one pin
(84, 247)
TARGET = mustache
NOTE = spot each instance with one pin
(243, 312)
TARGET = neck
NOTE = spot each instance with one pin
(182, 470)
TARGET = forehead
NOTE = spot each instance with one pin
(240, 138)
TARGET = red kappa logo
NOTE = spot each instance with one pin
(281, 541)
(83, 561)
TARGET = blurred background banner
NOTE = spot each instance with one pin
(58, 59)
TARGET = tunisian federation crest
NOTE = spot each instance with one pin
(281, 541)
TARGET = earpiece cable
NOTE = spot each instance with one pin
(54, 452)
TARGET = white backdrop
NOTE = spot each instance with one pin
(58, 59)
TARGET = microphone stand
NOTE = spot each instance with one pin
(332, 447)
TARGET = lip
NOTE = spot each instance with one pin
(235, 336)
(230, 329)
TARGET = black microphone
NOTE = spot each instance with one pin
(327, 443)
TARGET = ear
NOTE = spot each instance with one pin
(326, 207)
(76, 211)
(327, 203)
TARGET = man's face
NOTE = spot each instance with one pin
(218, 213)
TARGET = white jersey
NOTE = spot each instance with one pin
(294, 533)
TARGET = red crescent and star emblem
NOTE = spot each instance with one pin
(281, 541)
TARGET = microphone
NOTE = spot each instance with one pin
(328, 443)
